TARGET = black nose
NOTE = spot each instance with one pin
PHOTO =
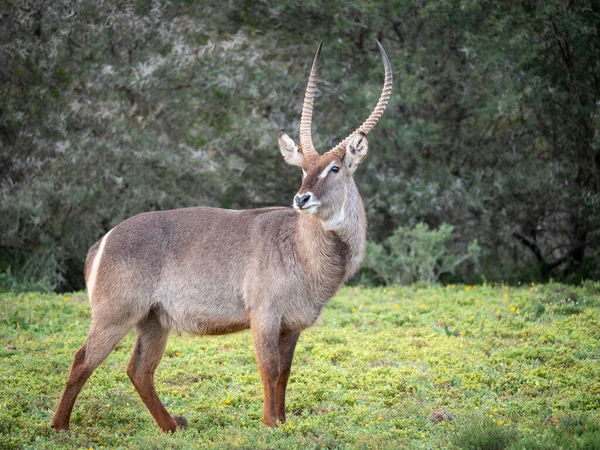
(301, 199)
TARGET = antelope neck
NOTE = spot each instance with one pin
(332, 255)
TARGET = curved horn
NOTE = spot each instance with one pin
(306, 142)
(370, 123)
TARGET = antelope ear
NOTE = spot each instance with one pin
(356, 150)
(290, 151)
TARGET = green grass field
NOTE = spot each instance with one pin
(515, 367)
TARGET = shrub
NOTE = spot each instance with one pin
(417, 253)
(484, 434)
(12, 283)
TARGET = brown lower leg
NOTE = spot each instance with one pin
(148, 351)
(281, 387)
(101, 340)
(266, 344)
(77, 378)
(270, 408)
(287, 345)
(144, 384)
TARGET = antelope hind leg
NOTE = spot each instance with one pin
(100, 342)
(149, 348)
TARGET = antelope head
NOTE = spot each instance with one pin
(327, 178)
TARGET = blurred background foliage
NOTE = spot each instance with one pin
(109, 109)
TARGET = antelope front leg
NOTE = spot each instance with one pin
(266, 344)
(287, 345)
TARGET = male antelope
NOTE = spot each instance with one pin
(215, 271)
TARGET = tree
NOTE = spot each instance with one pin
(110, 110)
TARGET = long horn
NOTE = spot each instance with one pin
(370, 123)
(306, 142)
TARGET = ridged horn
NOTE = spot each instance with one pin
(370, 123)
(306, 142)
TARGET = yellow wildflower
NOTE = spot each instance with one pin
(396, 306)
(353, 310)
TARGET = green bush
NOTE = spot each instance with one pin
(484, 434)
(417, 253)
(12, 283)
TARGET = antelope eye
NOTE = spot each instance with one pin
(335, 169)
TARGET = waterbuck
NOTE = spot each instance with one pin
(214, 271)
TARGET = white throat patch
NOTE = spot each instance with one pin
(339, 219)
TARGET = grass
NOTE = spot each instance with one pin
(506, 367)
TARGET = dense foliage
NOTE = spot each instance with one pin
(455, 367)
(109, 109)
(416, 254)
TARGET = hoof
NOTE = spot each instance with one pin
(270, 424)
(181, 421)
(58, 428)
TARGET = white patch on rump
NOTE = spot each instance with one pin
(91, 282)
